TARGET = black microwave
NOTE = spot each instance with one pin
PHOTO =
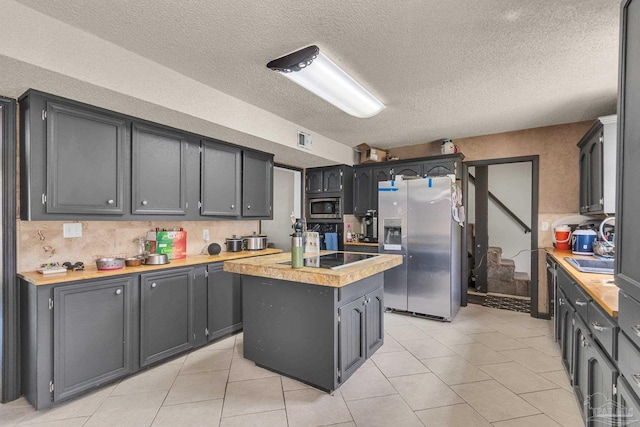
(324, 208)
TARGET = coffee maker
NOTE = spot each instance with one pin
(370, 226)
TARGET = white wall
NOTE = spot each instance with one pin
(511, 183)
(287, 200)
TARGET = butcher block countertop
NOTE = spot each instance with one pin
(599, 286)
(91, 272)
(270, 267)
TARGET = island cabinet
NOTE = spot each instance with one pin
(588, 341)
(76, 337)
(166, 314)
(317, 334)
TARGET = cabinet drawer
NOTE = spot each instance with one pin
(581, 301)
(566, 284)
(629, 317)
(629, 362)
(603, 329)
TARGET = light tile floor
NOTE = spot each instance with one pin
(487, 367)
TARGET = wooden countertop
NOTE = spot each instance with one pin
(268, 266)
(599, 286)
(360, 244)
(91, 272)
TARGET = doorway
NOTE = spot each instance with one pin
(287, 201)
(502, 201)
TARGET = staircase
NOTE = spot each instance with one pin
(502, 277)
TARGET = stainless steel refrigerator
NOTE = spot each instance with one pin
(420, 219)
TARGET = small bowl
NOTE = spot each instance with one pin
(110, 263)
(133, 262)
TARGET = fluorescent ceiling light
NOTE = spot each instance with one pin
(318, 74)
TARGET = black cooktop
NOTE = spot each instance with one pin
(334, 261)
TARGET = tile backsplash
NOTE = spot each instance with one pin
(41, 241)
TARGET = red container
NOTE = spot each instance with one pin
(562, 237)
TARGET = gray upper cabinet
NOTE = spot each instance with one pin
(314, 182)
(159, 184)
(166, 313)
(362, 191)
(332, 180)
(257, 184)
(220, 188)
(598, 167)
(628, 195)
(86, 161)
(80, 162)
(407, 169)
(93, 335)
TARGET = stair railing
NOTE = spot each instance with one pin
(504, 208)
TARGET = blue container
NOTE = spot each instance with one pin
(582, 242)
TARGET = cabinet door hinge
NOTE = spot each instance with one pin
(200, 149)
(50, 386)
(206, 331)
(50, 303)
(206, 273)
(338, 316)
(186, 205)
(44, 114)
(601, 202)
(601, 139)
(44, 199)
(339, 374)
(199, 204)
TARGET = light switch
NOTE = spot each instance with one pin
(72, 230)
(205, 235)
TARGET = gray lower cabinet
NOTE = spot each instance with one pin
(602, 376)
(92, 335)
(159, 182)
(166, 313)
(317, 334)
(588, 340)
(220, 172)
(628, 405)
(224, 302)
(257, 184)
(75, 337)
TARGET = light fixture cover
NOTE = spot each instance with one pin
(315, 72)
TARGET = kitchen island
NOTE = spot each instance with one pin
(317, 325)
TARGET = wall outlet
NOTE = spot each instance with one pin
(205, 235)
(72, 230)
(544, 226)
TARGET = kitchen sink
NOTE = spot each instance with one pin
(601, 266)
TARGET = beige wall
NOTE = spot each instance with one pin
(41, 241)
(559, 175)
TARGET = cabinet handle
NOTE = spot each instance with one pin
(233, 206)
(110, 201)
(153, 285)
(597, 327)
(118, 291)
(144, 203)
(248, 206)
(580, 303)
(636, 378)
(636, 330)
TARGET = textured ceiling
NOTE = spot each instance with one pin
(444, 69)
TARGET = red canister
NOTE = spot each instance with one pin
(562, 237)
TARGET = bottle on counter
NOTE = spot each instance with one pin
(349, 235)
(297, 245)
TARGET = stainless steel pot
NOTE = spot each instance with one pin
(255, 242)
(156, 259)
(234, 244)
